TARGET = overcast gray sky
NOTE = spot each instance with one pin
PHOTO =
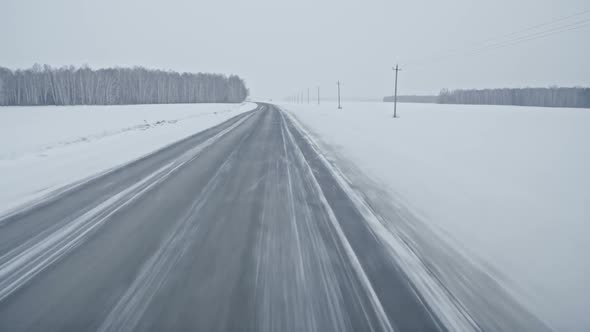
(280, 47)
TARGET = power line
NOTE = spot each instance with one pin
(517, 38)
(573, 26)
(539, 25)
(522, 39)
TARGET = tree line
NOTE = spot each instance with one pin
(44, 85)
(547, 97)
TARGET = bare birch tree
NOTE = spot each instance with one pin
(43, 85)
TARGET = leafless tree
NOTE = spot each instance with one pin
(548, 97)
(43, 85)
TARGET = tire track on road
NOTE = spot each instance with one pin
(24, 262)
(126, 315)
(442, 305)
(376, 306)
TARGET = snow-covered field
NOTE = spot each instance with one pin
(44, 148)
(508, 186)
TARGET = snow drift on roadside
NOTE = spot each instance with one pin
(44, 148)
(507, 185)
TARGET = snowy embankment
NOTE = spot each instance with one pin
(45, 148)
(506, 186)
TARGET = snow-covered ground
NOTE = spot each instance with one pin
(508, 186)
(44, 148)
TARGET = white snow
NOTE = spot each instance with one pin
(45, 148)
(509, 186)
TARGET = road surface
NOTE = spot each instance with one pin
(236, 227)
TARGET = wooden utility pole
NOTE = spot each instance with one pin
(397, 69)
(308, 95)
(318, 95)
(339, 106)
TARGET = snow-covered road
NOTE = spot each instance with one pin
(246, 225)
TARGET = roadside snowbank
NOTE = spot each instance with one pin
(506, 185)
(44, 148)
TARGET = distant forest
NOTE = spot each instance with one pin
(44, 85)
(545, 97)
(548, 97)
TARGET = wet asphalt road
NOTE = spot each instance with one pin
(237, 227)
